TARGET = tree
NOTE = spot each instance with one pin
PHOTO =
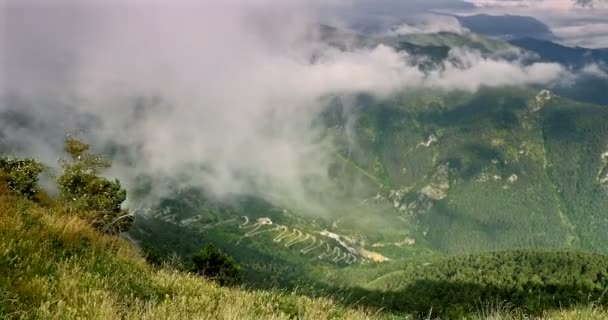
(83, 190)
(21, 175)
(213, 264)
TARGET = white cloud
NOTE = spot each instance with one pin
(553, 5)
(472, 71)
(595, 71)
(222, 92)
(585, 34)
(430, 23)
(573, 24)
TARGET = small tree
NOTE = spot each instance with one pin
(84, 190)
(213, 264)
(21, 175)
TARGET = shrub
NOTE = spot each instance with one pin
(84, 190)
(213, 264)
(21, 175)
(153, 256)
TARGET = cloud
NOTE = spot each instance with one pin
(469, 71)
(540, 4)
(595, 70)
(219, 95)
(574, 22)
(592, 3)
(584, 34)
(430, 23)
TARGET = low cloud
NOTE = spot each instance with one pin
(584, 34)
(468, 70)
(579, 23)
(430, 23)
(215, 95)
(595, 70)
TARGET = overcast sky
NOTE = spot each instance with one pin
(573, 24)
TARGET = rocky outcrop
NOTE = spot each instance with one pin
(440, 184)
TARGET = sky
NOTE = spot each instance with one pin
(573, 24)
(220, 95)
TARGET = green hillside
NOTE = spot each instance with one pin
(502, 168)
(54, 265)
(424, 174)
(452, 40)
(436, 204)
(531, 281)
(415, 179)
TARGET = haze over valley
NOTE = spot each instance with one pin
(417, 159)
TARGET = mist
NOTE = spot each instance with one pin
(430, 23)
(214, 95)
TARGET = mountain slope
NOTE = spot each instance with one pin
(486, 171)
(419, 176)
(576, 57)
(452, 40)
(529, 280)
(591, 84)
(53, 265)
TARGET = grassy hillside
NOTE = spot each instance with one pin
(500, 169)
(53, 265)
(530, 281)
(415, 178)
(426, 191)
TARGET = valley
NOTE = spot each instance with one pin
(304, 160)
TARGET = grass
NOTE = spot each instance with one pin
(55, 266)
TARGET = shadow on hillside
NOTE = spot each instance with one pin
(451, 299)
(489, 106)
(447, 298)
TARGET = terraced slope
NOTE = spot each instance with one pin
(53, 265)
(425, 174)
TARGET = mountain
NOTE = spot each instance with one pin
(506, 26)
(532, 280)
(439, 203)
(450, 173)
(453, 40)
(591, 85)
(54, 265)
(575, 57)
(415, 178)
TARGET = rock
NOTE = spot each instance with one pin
(438, 189)
(432, 139)
(541, 98)
(264, 221)
(374, 256)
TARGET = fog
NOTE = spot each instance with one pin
(217, 95)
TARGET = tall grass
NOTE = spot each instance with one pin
(55, 266)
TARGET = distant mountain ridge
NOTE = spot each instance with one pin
(569, 56)
(506, 26)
